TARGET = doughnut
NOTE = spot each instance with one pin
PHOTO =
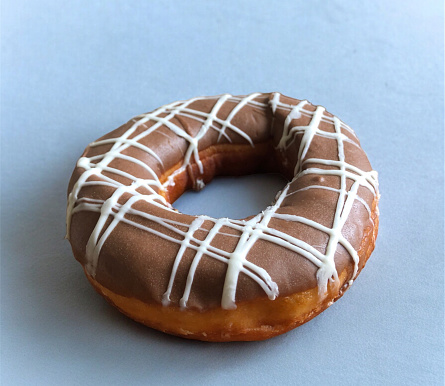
(221, 279)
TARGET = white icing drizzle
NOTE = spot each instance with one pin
(184, 245)
(199, 183)
(249, 231)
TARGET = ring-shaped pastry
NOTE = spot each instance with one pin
(221, 279)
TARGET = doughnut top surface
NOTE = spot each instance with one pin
(126, 234)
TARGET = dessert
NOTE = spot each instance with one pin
(224, 279)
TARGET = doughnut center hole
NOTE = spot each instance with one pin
(233, 197)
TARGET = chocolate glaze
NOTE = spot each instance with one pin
(272, 133)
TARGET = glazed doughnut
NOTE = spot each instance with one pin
(220, 279)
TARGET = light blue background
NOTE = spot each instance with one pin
(74, 70)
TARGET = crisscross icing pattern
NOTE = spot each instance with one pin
(248, 232)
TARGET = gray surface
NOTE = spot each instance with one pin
(72, 71)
